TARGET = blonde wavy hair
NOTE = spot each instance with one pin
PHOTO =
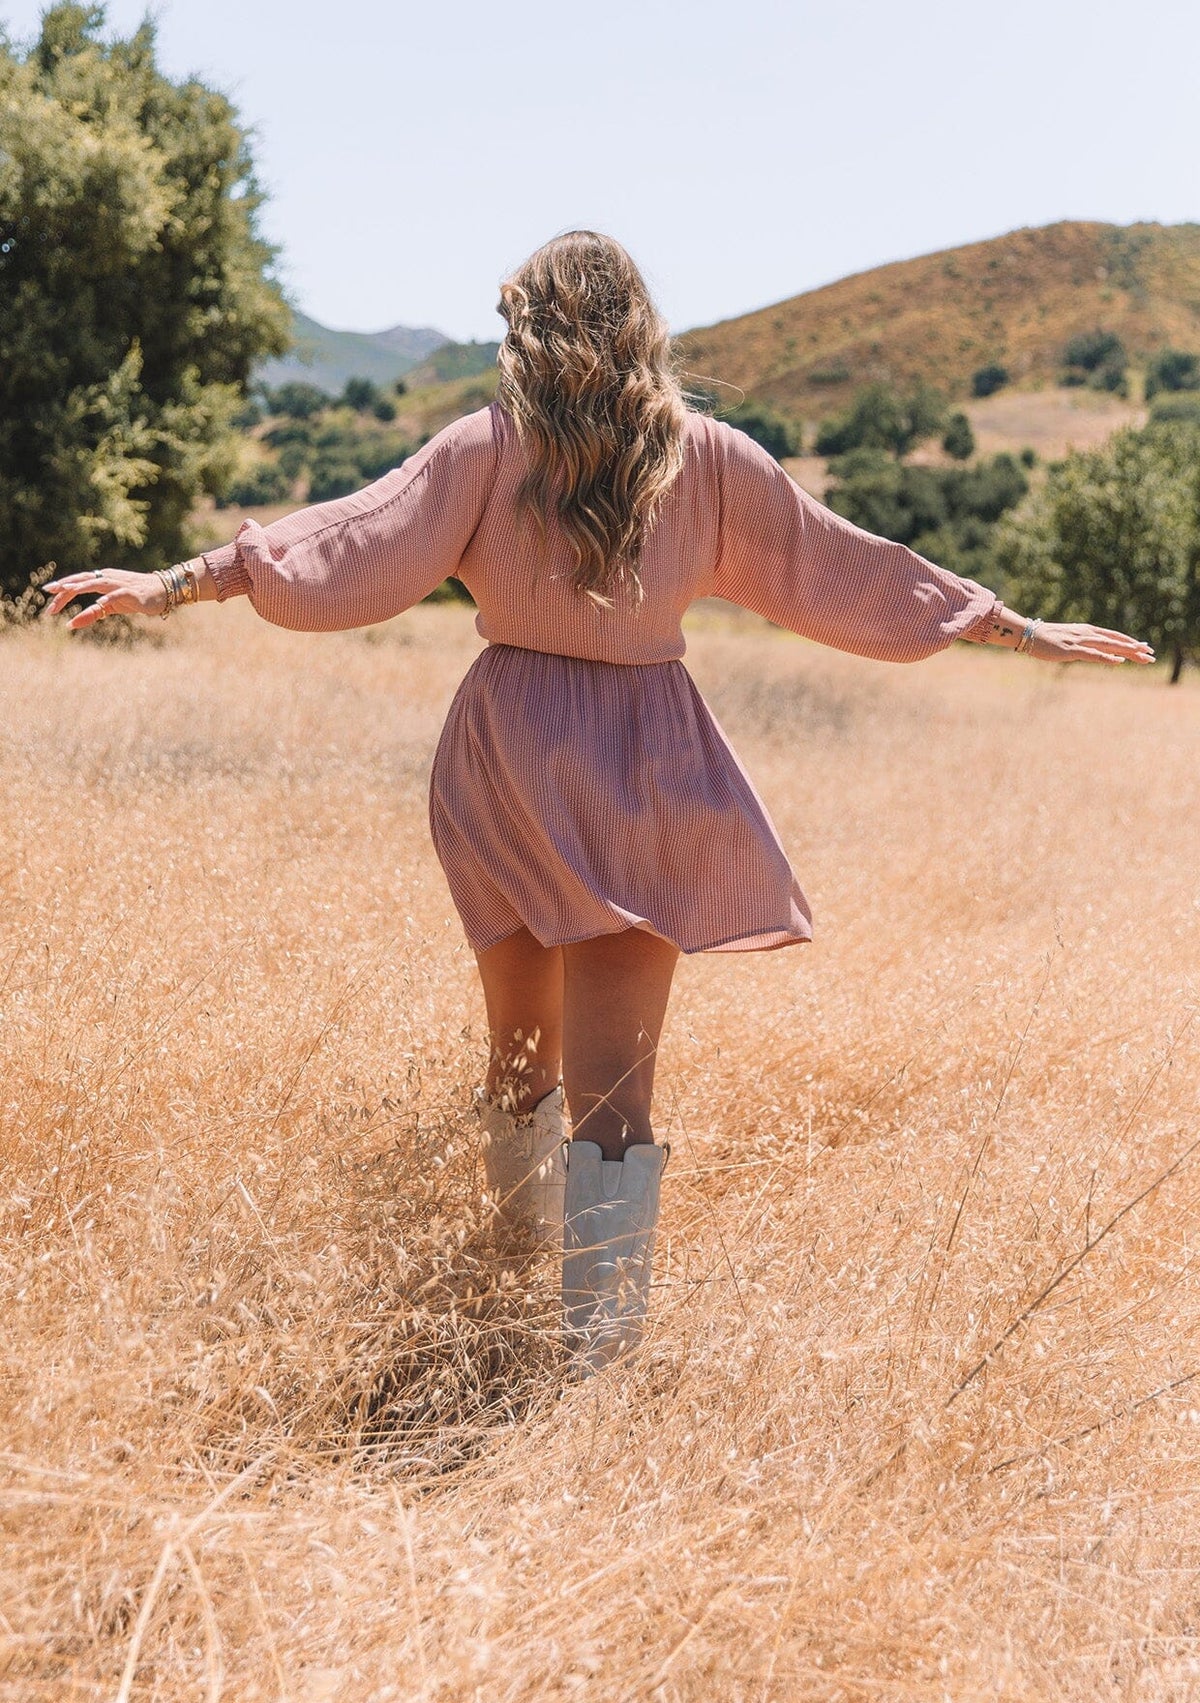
(586, 376)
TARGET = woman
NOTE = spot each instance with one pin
(591, 819)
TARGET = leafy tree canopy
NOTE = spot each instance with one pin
(135, 297)
(986, 381)
(945, 514)
(1096, 358)
(1172, 369)
(880, 418)
(298, 400)
(958, 439)
(1114, 538)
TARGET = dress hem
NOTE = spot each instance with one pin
(763, 940)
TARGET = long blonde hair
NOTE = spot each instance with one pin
(586, 376)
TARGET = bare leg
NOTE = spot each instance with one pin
(523, 992)
(615, 992)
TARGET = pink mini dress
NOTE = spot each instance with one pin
(581, 785)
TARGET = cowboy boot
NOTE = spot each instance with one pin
(609, 1219)
(522, 1156)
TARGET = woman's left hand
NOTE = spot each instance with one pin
(1076, 641)
(118, 591)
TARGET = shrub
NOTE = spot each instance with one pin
(879, 418)
(947, 515)
(986, 491)
(332, 478)
(288, 432)
(1183, 407)
(959, 439)
(267, 483)
(384, 410)
(1096, 358)
(987, 380)
(1092, 350)
(362, 395)
(1172, 369)
(298, 400)
(294, 458)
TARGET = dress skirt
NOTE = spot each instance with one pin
(578, 798)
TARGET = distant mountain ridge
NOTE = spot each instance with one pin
(328, 358)
(1015, 300)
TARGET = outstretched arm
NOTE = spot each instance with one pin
(346, 563)
(788, 557)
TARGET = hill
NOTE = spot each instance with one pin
(453, 361)
(1015, 300)
(328, 358)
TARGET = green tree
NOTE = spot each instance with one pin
(1114, 538)
(880, 418)
(361, 394)
(987, 380)
(1172, 369)
(1096, 358)
(958, 439)
(945, 514)
(135, 298)
(298, 400)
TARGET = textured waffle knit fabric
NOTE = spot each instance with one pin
(581, 785)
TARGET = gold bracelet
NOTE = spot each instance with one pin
(166, 585)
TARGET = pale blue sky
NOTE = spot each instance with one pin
(743, 150)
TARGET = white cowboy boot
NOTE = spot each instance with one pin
(522, 1155)
(609, 1218)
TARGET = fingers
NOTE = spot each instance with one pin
(94, 612)
(1138, 649)
(64, 591)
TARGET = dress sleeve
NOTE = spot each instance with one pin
(368, 556)
(784, 555)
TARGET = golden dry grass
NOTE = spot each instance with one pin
(919, 1415)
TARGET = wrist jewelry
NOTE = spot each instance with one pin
(181, 584)
(1026, 639)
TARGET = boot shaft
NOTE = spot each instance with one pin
(610, 1216)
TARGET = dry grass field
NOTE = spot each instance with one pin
(919, 1413)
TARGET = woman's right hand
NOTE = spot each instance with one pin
(118, 591)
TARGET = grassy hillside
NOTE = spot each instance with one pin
(328, 358)
(454, 361)
(1016, 300)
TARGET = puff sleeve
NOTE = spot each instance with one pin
(784, 555)
(368, 556)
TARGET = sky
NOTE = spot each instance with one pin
(742, 150)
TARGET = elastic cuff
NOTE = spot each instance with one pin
(979, 630)
(227, 570)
